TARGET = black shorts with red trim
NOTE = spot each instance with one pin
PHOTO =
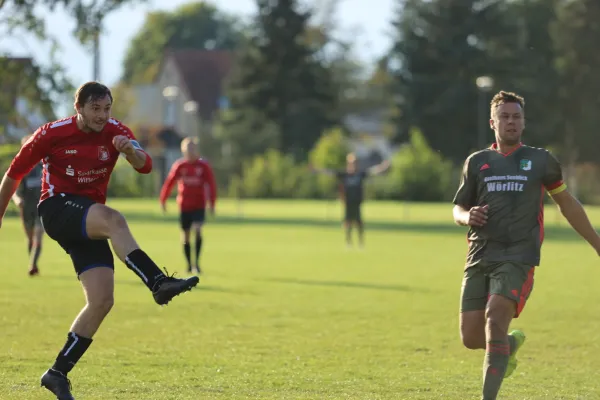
(64, 219)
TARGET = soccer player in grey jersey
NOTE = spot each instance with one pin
(500, 198)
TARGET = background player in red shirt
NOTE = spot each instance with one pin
(196, 182)
(79, 154)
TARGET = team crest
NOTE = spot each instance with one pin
(103, 154)
(525, 165)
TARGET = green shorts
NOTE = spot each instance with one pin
(512, 280)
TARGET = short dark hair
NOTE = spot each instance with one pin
(91, 91)
(503, 97)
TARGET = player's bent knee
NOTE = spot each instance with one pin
(473, 341)
(103, 304)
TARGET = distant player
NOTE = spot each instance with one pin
(501, 198)
(27, 198)
(196, 190)
(351, 181)
(79, 154)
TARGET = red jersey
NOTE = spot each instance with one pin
(75, 162)
(194, 179)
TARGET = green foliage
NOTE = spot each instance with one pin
(417, 173)
(274, 175)
(127, 182)
(198, 25)
(329, 153)
(279, 79)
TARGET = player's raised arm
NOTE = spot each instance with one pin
(30, 154)
(167, 186)
(379, 168)
(127, 145)
(569, 206)
(323, 171)
(212, 187)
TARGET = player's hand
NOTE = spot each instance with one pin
(123, 145)
(478, 216)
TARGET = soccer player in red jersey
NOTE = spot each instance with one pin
(196, 182)
(79, 154)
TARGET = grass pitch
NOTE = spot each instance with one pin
(285, 311)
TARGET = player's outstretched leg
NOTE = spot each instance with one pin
(104, 222)
(198, 229)
(98, 286)
(499, 313)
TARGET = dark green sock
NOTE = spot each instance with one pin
(494, 367)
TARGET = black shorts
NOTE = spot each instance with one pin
(187, 218)
(63, 217)
(352, 213)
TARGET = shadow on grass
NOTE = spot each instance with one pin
(561, 233)
(343, 284)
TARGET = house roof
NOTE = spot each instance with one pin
(203, 73)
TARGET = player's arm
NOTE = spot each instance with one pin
(30, 154)
(379, 168)
(569, 206)
(127, 145)
(167, 186)
(212, 187)
(465, 212)
(323, 171)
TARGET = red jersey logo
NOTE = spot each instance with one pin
(103, 154)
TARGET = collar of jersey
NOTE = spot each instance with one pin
(495, 148)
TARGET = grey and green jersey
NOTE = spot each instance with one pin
(353, 184)
(513, 186)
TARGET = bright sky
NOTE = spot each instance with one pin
(368, 21)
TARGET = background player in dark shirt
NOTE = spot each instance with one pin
(351, 182)
(501, 198)
(79, 156)
(27, 198)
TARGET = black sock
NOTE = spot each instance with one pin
(71, 353)
(198, 248)
(29, 246)
(188, 254)
(144, 267)
(349, 234)
(37, 250)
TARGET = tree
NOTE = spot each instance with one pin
(441, 47)
(279, 79)
(192, 26)
(46, 84)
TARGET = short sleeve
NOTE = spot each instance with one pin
(32, 152)
(553, 177)
(466, 195)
